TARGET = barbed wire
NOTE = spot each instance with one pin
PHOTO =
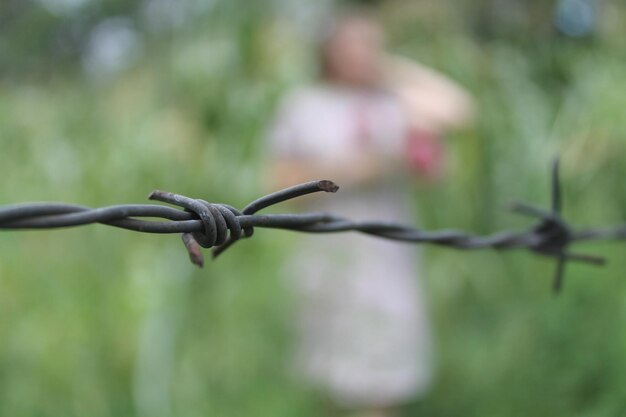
(218, 226)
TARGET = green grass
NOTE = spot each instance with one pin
(103, 322)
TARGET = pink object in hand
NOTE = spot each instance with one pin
(425, 153)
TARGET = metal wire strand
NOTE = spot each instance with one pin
(219, 226)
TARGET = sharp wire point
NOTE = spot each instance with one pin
(558, 275)
(556, 187)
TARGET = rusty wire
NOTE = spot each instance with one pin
(218, 226)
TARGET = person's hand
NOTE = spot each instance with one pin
(425, 155)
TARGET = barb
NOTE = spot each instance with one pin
(218, 226)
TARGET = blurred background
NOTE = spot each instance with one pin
(102, 101)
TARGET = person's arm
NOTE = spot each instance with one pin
(433, 101)
(359, 170)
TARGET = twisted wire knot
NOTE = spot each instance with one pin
(220, 223)
(554, 236)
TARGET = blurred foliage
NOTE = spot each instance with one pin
(100, 322)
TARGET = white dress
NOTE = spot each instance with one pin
(363, 332)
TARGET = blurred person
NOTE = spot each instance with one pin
(372, 123)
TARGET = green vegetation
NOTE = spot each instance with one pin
(102, 322)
